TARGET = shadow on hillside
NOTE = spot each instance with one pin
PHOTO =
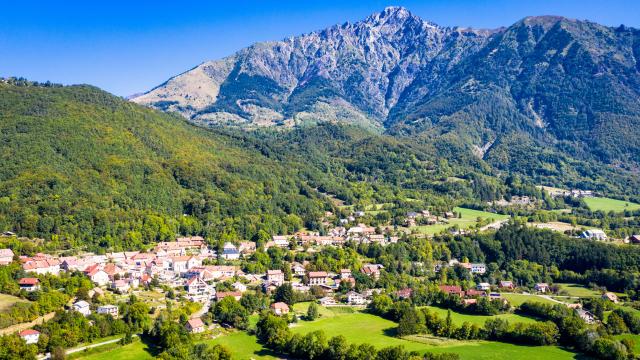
(393, 332)
(149, 346)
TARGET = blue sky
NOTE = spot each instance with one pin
(127, 47)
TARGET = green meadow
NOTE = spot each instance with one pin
(607, 204)
(359, 327)
(468, 220)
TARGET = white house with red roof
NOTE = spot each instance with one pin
(280, 308)
(195, 326)
(29, 284)
(30, 336)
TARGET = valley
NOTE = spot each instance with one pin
(385, 188)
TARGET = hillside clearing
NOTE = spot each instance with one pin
(608, 204)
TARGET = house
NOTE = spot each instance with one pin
(275, 277)
(474, 293)
(541, 287)
(6, 256)
(317, 278)
(239, 286)
(30, 336)
(29, 284)
(195, 326)
(468, 302)
(586, 316)
(279, 308)
(372, 270)
(97, 275)
(506, 285)
(404, 293)
(594, 234)
(247, 247)
(230, 252)
(281, 240)
(610, 296)
(345, 273)
(234, 294)
(328, 301)
(197, 287)
(179, 264)
(475, 268)
(354, 298)
(82, 307)
(452, 289)
(120, 286)
(298, 269)
(483, 286)
(108, 309)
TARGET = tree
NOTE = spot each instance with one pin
(230, 311)
(285, 294)
(411, 322)
(273, 331)
(312, 311)
(616, 325)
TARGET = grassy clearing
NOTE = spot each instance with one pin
(469, 219)
(459, 318)
(243, 346)
(360, 328)
(607, 204)
(518, 299)
(635, 338)
(137, 350)
(7, 301)
(576, 290)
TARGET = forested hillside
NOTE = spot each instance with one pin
(96, 169)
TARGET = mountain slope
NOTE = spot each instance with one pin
(96, 169)
(567, 84)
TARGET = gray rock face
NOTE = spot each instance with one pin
(361, 68)
(550, 78)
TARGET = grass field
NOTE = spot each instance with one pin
(458, 318)
(469, 219)
(635, 338)
(517, 299)
(6, 301)
(607, 204)
(137, 350)
(576, 290)
(243, 346)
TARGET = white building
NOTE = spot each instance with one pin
(108, 309)
(30, 336)
(354, 298)
(594, 234)
(82, 307)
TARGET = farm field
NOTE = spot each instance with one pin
(6, 301)
(459, 318)
(607, 204)
(469, 219)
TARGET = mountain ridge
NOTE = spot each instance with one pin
(559, 80)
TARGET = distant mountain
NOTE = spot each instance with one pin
(573, 85)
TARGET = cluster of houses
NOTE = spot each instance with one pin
(474, 268)
(336, 237)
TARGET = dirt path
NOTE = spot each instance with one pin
(82, 348)
(22, 326)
